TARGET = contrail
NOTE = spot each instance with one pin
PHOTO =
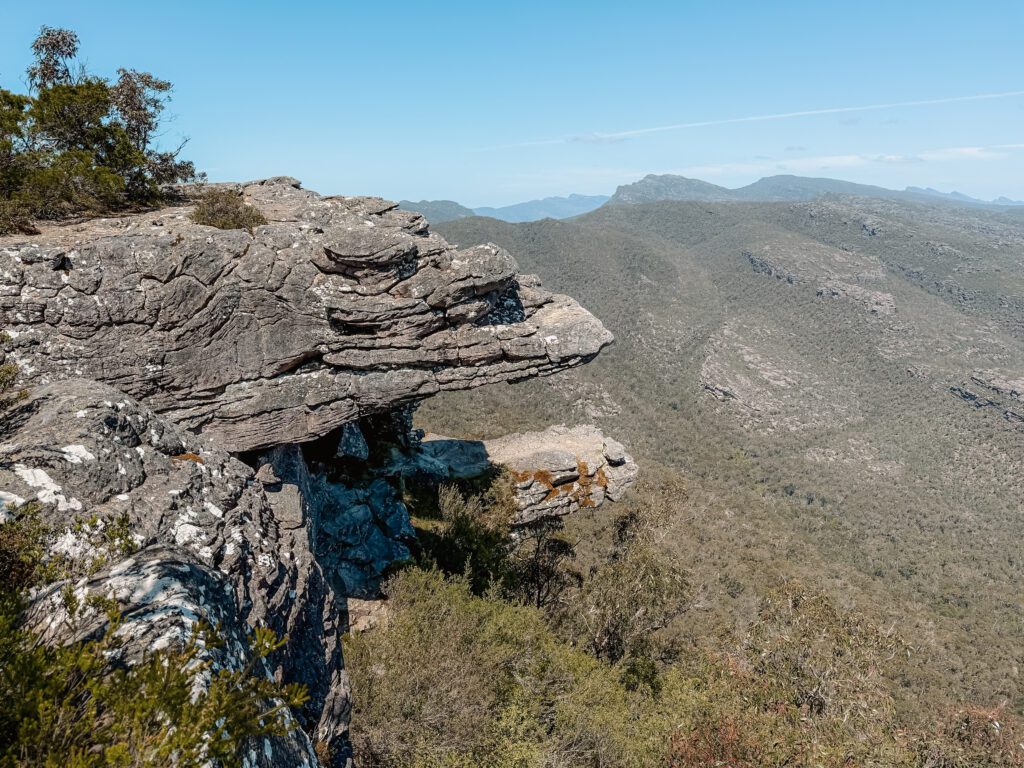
(599, 137)
(809, 113)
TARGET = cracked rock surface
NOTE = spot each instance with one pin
(218, 396)
(338, 307)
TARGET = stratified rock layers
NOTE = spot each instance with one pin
(180, 377)
(556, 472)
(337, 308)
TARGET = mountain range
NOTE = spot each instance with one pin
(533, 210)
(837, 381)
(653, 188)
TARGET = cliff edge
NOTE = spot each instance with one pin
(226, 398)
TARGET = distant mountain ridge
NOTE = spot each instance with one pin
(437, 211)
(773, 189)
(655, 188)
(548, 208)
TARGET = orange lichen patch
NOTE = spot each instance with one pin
(541, 476)
(585, 480)
(584, 486)
(579, 491)
(189, 457)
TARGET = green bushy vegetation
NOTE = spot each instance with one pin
(81, 705)
(471, 674)
(466, 533)
(78, 705)
(225, 209)
(860, 473)
(79, 143)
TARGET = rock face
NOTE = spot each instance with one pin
(225, 400)
(209, 543)
(337, 308)
(557, 471)
(357, 529)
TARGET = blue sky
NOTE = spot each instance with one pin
(492, 103)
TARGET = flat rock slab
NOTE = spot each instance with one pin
(557, 471)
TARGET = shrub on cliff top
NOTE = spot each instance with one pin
(224, 209)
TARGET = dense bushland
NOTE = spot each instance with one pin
(469, 671)
(78, 142)
(859, 472)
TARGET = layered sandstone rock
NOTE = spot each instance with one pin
(337, 308)
(225, 398)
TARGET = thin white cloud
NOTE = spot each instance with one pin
(958, 153)
(831, 162)
(813, 113)
(594, 138)
(610, 138)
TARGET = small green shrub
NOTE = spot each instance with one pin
(21, 548)
(224, 209)
(80, 705)
(16, 218)
(466, 533)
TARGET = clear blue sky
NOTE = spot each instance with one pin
(491, 103)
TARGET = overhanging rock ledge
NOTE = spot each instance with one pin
(224, 394)
(337, 308)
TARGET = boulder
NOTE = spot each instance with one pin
(556, 471)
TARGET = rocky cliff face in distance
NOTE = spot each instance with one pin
(236, 401)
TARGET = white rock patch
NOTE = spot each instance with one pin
(48, 491)
(77, 453)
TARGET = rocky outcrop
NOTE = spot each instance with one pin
(203, 543)
(1000, 385)
(208, 413)
(877, 302)
(556, 472)
(358, 529)
(339, 307)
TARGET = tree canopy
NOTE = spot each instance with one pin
(80, 143)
